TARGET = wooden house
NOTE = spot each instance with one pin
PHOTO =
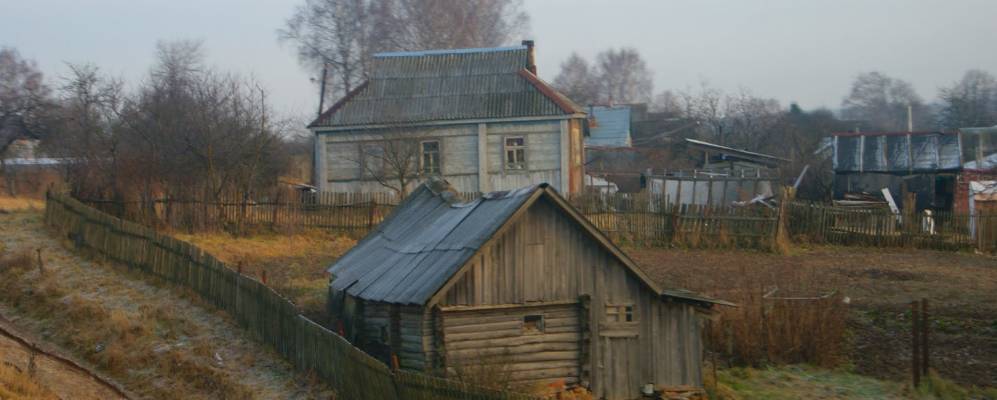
(518, 281)
(480, 118)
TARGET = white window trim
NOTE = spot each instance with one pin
(505, 153)
(439, 156)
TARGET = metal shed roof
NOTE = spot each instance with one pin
(897, 152)
(428, 238)
(440, 85)
(612, 127)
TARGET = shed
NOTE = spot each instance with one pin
(925, 163)
(520, 282)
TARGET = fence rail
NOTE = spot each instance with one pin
(636, 219)
(268, 316)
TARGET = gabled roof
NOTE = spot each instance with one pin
(428, 238)
(442, 85)
(612, 126)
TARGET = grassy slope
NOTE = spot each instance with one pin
(295, 264)
(152, 339)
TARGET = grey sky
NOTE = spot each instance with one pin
(792, 50)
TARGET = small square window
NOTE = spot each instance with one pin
(533, 324)
(620, 313)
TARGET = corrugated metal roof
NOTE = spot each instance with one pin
(612, 127)
(440, 85)
(422, 244)
(428, 238)
(897, 152)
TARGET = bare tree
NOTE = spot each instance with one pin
(445, 24)
(618, 76)
(392, 161)
(24, 97)
(668, 102)
(25, 105)
(970, 102)
(578, 80)
(882, 101)
(624, 76)
(342, 35)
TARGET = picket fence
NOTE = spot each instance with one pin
(267, 315)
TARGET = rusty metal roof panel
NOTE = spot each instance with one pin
(422, 244)
(410, 87)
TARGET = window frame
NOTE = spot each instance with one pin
(538, 324)
(621, 313)
(506, 148)
(439, 158)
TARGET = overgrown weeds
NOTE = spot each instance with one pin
(789, 316)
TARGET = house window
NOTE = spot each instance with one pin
(533, 324)
(430, 161)
(620, 313)
(515, 153)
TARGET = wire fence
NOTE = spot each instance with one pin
(269, 317)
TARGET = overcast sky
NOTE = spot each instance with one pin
(791, 50)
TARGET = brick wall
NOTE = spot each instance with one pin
(962, 187)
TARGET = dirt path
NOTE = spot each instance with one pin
(150, 337)
(65, 378)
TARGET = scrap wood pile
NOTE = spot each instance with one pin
(863, 200)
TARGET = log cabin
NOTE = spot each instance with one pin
(519, 280)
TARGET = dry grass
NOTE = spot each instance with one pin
(879, 284)
(19, 385)
(152, 340)
(15, 204)
(295, 264)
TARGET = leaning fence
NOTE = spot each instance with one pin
(267, 315)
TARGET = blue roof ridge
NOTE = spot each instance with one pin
(472, 50)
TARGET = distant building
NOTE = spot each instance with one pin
(481, 118)
(609, 126)
(519, 279)
(925, 163)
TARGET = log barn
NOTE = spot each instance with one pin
(520, 282)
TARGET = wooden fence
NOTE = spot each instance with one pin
(818, 223)
(634, 219)
(269, 317)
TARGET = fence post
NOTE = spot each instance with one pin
(925, 328)
(915, 355)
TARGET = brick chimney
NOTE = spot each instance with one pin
(531, 56)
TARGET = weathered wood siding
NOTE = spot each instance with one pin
(459, 154)
(401, 328)
(545, 257)
(494, 339)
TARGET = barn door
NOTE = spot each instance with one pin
(619, 364)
